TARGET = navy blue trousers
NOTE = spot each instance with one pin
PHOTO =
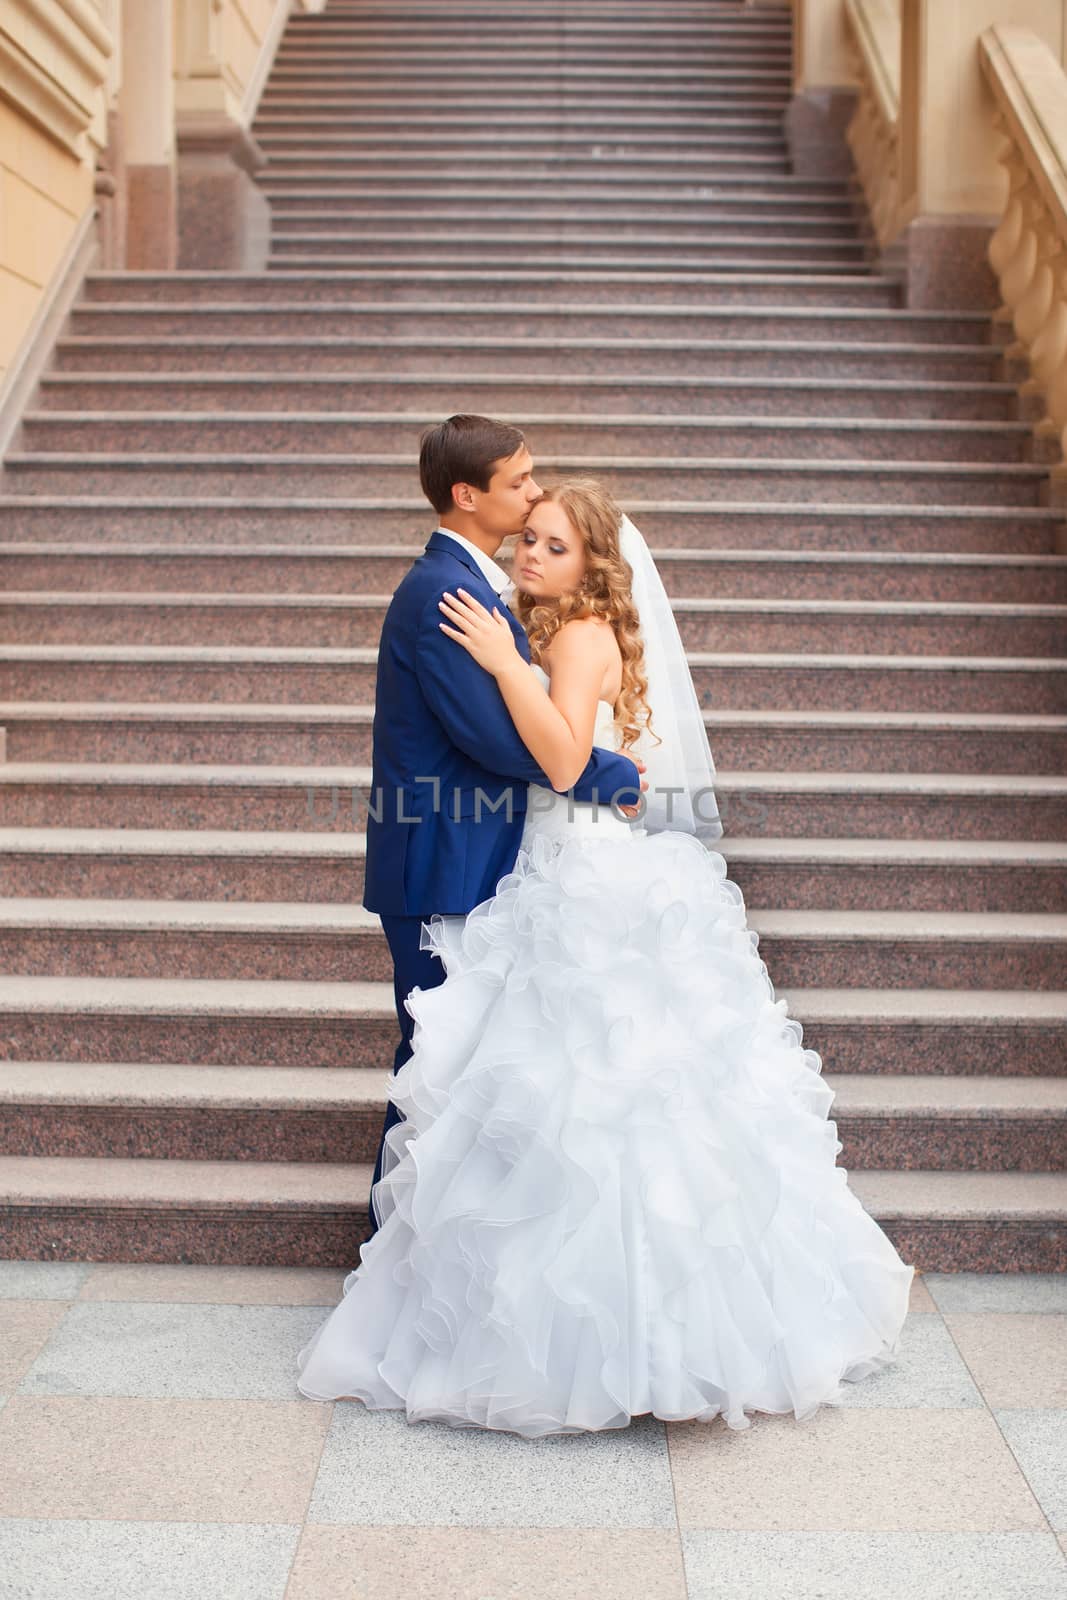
(412, 968)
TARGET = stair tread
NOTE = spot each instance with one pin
(367, 655)
(257, 713)
(340, 276)
(212, 773)
(156, 1182)
(891, 316)
(608, 419)
(331, 916)
(316, 600)
(105, 551)
(276, 997)
(228, 843)
(767, 466)
(253, 1185)
(532, 342)
(128, 1084)
(833, 510)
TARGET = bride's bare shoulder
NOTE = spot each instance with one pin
(583, 637)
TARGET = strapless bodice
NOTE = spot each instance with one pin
(557, 816)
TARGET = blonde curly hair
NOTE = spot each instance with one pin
(604, 592)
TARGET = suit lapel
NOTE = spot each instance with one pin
(449, 547)
(440, 543)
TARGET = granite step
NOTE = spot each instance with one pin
(728, 250)
(585, 361)
(964, 1032)
(717, 524)
(815, 196)
(224, 1212)
(731, 202)
(766, 478)
(535, 287)
(315, 1214)
(742, 681)
(493, 164)
(530, 393)
(757, 58)
(604, 21)
(322, 621)
(739, 76)
(347, 433)
(713, 40)
(696, 139)
(285, 1114)
(311, 120)
(331, 157)
(545, 99)
(301, 735)
(336, 799)
(687, 574)
(736, 86)
(562, 100)
(572, 12)
(794, 325)
(571, 224)
(721, 47)
(323, 254)
(331, 942)
(787, 874)
(542, 32)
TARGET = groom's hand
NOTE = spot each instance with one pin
(632, 811)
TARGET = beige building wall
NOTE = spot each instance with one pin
(54, 57)
(62, 101)
(44, 192)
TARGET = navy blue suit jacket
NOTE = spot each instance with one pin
(448, 797)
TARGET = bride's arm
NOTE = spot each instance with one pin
(556, 729)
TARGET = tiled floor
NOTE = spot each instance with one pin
(152, 1444)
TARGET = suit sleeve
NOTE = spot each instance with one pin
(466, 700)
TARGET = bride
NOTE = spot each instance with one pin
(614, 1189)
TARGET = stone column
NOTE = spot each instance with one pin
(224, 219)
(109, 184)
(824, 94)
(951, 183)
(146, 102)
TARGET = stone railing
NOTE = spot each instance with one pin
(873, 43)
(1028, 251)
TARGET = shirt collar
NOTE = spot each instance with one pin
(494, 574)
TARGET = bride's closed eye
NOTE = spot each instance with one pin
(553, 549)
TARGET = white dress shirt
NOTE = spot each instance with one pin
(494, 574)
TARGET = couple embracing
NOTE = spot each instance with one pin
(607, 1180)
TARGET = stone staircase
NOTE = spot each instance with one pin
(214, 492)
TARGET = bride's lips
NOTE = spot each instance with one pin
(527, 572)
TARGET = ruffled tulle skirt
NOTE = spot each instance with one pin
(614, 1190)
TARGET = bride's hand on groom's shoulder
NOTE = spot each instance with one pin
(485, 635)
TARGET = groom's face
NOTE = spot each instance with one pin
(502, 508)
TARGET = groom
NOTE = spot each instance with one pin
(448, 792)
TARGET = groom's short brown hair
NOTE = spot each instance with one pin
(463, 449)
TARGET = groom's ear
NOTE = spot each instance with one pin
(462, 497)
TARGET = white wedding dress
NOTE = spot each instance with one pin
(615, 1189)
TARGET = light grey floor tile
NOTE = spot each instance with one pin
(998, 1291)
(82, 1560)
(929, 1371)
(732, 1565)
(1038, 1440)
(153, 1350)
(378, 1468)
(211, 1285)
(42, 1280)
